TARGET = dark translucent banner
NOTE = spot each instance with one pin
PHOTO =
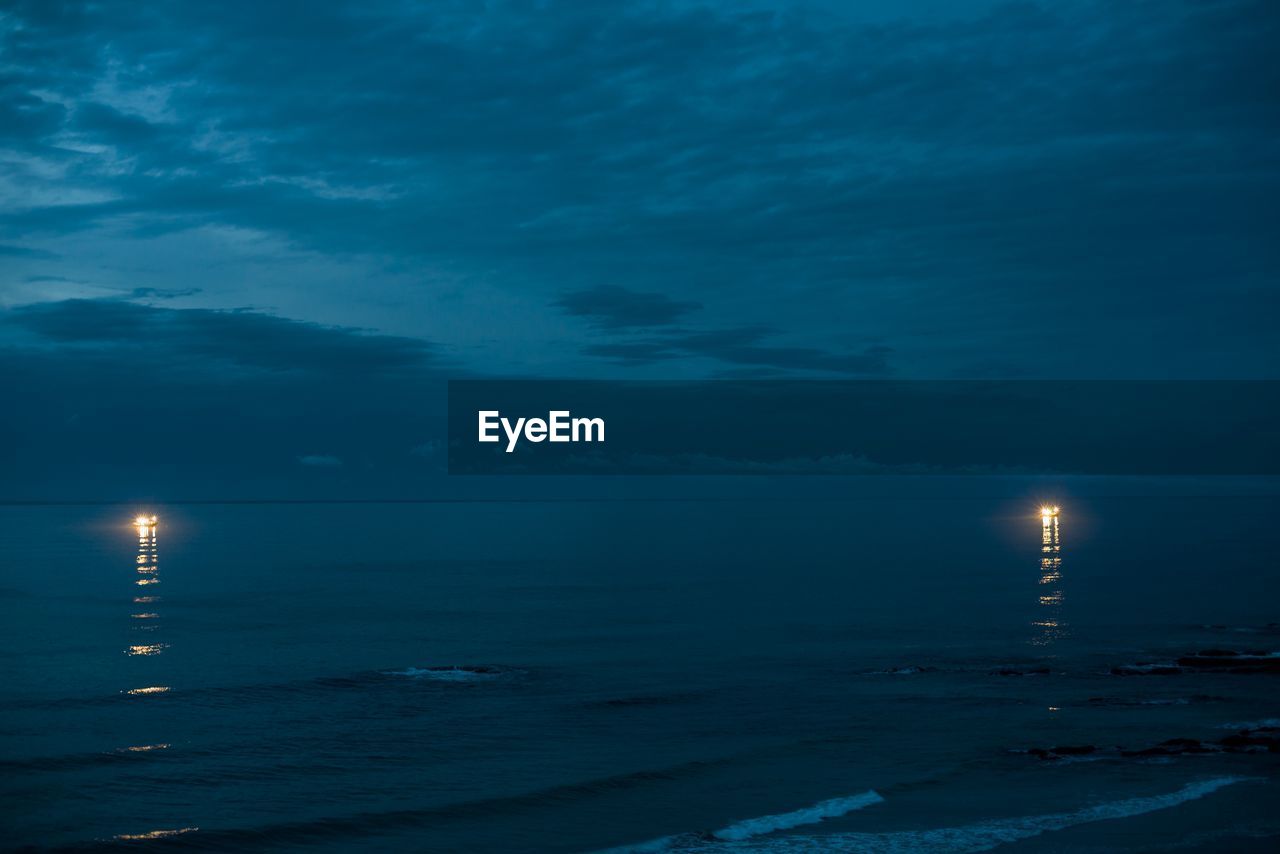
(1213, 427)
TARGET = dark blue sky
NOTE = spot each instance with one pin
(321, 205)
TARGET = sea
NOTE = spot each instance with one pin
(892, 671)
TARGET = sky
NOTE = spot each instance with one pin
(291, 222)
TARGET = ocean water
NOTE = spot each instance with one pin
(702, 675)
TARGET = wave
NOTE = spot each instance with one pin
(984, 836)
(906, 670)
(364, 824)
(833, 808)
(981, 836)
(451, 673)
(72, 761)
(738, 833)
(222, 695)
(1153, 701)
(1268, 629)
(1147, 668)
(1265, 723)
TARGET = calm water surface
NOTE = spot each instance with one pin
(794, 675)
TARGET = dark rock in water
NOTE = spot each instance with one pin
(1014, 671)
(1232, 661)
(1206, 661)
(909, 670)
(1268, 629)
(1063, 751)
(1264, 739)
(1191, 745)
(1073, 750)
(1175, 747)
(482, 669)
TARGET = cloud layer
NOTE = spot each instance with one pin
(961, 188)
(112, 399)
(234, 239)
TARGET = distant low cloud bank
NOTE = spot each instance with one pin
(320, 461)
(112, 399)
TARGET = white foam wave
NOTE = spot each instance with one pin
(731, 837)
(965, 839)
(984, 836)
(833, 808)
(1268, 722)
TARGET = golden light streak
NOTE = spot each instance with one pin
(155, 834)
(143, 748)
(146, 649)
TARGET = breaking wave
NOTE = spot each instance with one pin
(981, 836)
(462, 673)
(1265, 723)
(833, 808)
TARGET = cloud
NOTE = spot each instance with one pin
(24, 252)
(114, 399)
(746, 347)
(613, 307)
(244, 338)
(618, 311)
(966, 186)
(320, 461)
(109, 125)
(163, 293)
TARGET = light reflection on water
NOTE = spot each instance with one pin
(154, 834)
(147, 567)
(645, 653)
(146, 649)
(1050, 624)
(143, 748)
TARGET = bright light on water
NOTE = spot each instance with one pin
(155, 834)
(1050, 623)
